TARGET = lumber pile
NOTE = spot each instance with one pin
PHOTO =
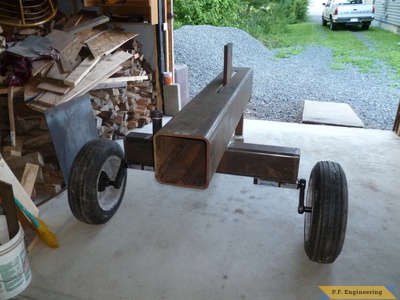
(33, 154)
(84, 56)
(54, 63)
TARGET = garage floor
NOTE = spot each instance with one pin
(234, 240)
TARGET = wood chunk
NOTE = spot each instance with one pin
(115, 92)
(133, 124)
(29, 177)
(50, 188)
(124, 106)
(53, 177)
(37, 141)
(14, 150)
(24, 125)
(117, 120)
(27, 183)
(143, 101)
(100, 94)
(15, 162)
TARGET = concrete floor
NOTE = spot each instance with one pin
(234, 240)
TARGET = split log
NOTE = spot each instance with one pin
(29, 177)
(37, 141)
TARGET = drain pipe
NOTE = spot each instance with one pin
(385, 10)
(160, 45)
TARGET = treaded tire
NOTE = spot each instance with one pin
(332, 26)
(325, 226)
(365, 26)
(324, 22)
(87, 202)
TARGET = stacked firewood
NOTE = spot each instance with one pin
(119, 109)
(33, 151)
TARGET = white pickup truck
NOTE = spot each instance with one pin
(347, 12)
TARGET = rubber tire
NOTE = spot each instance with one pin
(365, 26)
(88, 204)
(325, 226)
(332, 26)
(324, 22)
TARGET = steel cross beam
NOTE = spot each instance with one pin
(196, 142)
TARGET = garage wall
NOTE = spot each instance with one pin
(387, 15)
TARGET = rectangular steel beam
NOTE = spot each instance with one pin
(189, 148)
(139, 149)
(279, 164)
(272, 163)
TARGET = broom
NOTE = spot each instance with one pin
(43, 231)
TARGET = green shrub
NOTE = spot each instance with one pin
(210, 12)
(299, 9)
(266, 20)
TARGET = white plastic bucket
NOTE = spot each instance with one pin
(15, 273)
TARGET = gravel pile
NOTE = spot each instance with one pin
(281, 85)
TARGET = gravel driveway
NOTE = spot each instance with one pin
(282, 85)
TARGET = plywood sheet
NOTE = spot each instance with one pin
(330, 113)
(109, 41)
(60, 40)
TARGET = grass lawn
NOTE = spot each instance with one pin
(348, 48)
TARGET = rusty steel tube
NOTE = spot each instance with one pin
(188, 149)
